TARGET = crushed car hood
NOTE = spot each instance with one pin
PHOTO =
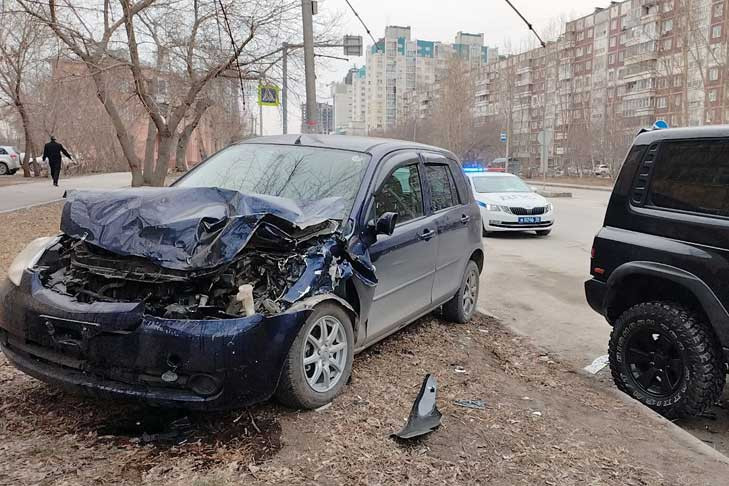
(192, 228)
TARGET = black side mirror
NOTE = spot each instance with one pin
(385, 224)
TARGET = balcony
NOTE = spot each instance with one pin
(639, 53)
(640, 70)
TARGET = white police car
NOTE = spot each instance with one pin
(508, 204)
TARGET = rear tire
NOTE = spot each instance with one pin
(4, 169)
(664, 356)
(295, 389)
(462, 306)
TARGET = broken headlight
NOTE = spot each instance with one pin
(29, 257)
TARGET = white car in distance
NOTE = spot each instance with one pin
(508, 204)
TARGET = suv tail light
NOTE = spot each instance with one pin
(13, 156)
(592, 252)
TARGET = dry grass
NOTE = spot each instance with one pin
(580, 435)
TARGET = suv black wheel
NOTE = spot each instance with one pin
(462, 306)
(664, 356)
(319, 362)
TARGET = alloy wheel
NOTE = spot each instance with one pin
(654, 362)
(325, 354)
(470, 292)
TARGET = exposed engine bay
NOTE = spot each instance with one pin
(257, 281)
(199, 253)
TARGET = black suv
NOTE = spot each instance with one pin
(660, 270)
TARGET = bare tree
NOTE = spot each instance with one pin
(21, 51)
(210, 39)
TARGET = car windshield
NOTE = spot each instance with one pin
(486, 184)
(301, 173)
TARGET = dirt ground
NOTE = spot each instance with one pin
(543, 423)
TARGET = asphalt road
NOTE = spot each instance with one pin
(535, 286)
(42, 192)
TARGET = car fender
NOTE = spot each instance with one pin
(311, 302)
(712, 306)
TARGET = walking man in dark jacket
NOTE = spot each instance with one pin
(52, 152)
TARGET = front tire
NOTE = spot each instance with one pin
(319, 362)
(462, 306)
(664, 356)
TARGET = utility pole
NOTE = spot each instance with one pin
(311, 108)
(260, 112)
(285, 87)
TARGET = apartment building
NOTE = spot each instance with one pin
(609, 74)
(399, 74)
(350, 103)
(325, 118)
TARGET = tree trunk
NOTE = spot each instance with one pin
(122, 135)
(181, 152)
(28, 138)
(163, 159)
(149, 147)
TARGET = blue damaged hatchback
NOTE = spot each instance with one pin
(261, 272)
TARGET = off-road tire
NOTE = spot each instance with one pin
(703, 366)
(453, 309)
(543, 232)
(293, 390)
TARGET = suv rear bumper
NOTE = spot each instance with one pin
(595, 291)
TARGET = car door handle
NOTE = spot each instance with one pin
(465, 219)
(427, 234)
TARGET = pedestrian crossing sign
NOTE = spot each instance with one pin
(268, 95)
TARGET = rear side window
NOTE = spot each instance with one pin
(442, 187)
(3, 151)
(692, 176)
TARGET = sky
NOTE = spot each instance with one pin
(437, 21)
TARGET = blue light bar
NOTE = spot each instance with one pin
(474, 169)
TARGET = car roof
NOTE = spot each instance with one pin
(343, 142)
(710, 131)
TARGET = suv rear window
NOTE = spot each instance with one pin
(692, 175)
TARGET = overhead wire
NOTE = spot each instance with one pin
(529, 25)
(362, 22)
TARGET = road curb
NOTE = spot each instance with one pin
(692, 442)
(30, 206)
(681, 435)
(571, 186)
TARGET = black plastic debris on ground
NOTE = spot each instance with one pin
(151, 426)
(424, 416)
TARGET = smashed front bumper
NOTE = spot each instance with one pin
(114, 350)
